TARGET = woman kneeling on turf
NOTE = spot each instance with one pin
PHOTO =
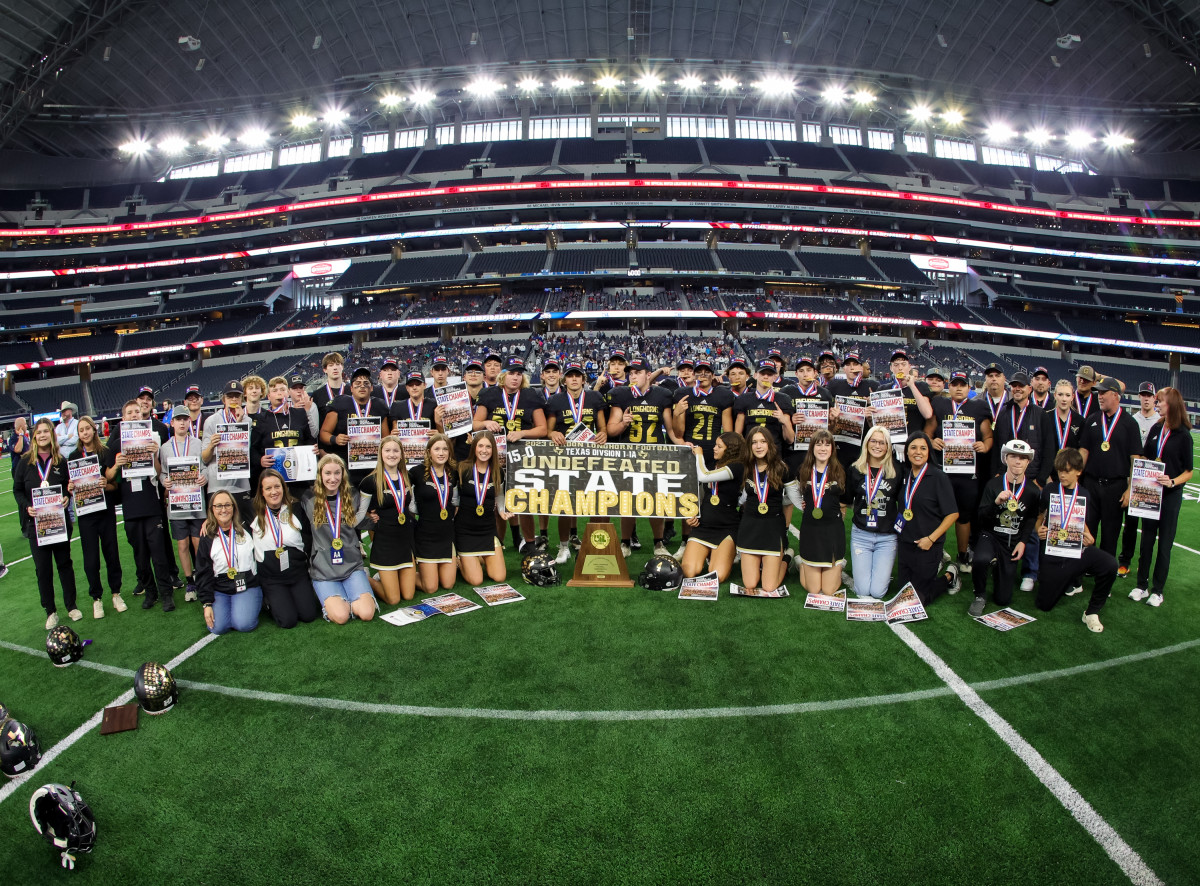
(388, 493)
(335, 512)
(282, 539)
(762, 533)
(712, 537)
(481, 486)
(822, 532)
(226, 571)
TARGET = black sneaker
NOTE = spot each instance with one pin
(528, 548)
(168, 601)
(543, 541)
(139, 591)
(977, 606)
(964, 563)
(575, 542)
(634, 544)
(149, 599)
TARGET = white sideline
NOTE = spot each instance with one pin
(1177, 545)
(1101, 831)
(92, 722)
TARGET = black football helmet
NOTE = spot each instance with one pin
(19, 748)
(155, 688)
(539, 570)
(63, 646)
(661, 573)
(63, 820)
(4, 715)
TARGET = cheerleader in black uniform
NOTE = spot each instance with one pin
(712, 536)
(480, 485)
(822, 532)
(389, 492)
(762, 532)
(435, 499)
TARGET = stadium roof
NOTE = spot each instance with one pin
(77, 77)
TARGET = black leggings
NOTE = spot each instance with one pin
(98, 534)
(923, 569)
(292, 601)
(1159, 533)
(151, 548)
(45, 559)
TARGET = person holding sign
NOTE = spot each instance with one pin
(713, 533)
(336, 513)
(1109, 440)
(874, 483)
(814, 409)
(917, 408)
(389, 493)
(435, 499)
(514, 409)
(355, 424)
(766, 407)
(1067, 516)
(480, 487)
(282, 538)
(1146, 417)
(927, 513)
(583, 414)
(1061, 427)
(227, 467)
(1007, 513)
(1169, 442)
(282, 425)
(417, 407)
(854, 388)
(226, 569)
(40, 472)
(962, 438)
(179, 458)
(98, 528)
(822, 532)
(762, 531)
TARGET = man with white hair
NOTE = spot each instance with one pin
(67, 431)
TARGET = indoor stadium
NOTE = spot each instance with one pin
(963, 223)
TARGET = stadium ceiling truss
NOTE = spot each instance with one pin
(79, 76)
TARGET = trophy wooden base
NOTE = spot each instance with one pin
(599, 563)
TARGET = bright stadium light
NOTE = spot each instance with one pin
(390, 99)
(690, 82)
(1001, 132)
(649, 82)
(609, 82)
(953, 117)
(529, 84)
(728, 83)
(135, 147)
(921, 113)
(833, 95)
(1079, 139)
(173, 144)
(566, 83)
(484, 86)
(776, 85)
(1038, 136)
(214, 142)
(335, 116)
(863, 97)
(254, 138)
(1115, 141)
(302, 120)
(422, 97)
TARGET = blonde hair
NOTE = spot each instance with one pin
(254, 380)
(380, 483)
(277, 380)
(345, 493)
(210, 522)
(864, 459)
(55, 455)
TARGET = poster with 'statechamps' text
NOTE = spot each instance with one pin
(1064, 533)
(233, 450)
(810, 420)
(457, 415)
(701, 587)
(1145, 492)
(958, 446)
(362, 445)
(49, 518)
(852, 417)
(87, 485)
(138, 444)
(889, 413)
(414, 437)
(185, 498)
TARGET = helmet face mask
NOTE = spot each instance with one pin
(63, 819)
(539, 570)
(19, 748)
(661, 573)
(63, 646)
(155, 688)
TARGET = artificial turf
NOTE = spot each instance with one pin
(233, 789)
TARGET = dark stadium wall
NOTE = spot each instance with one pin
(20, 169)
(1179, 164)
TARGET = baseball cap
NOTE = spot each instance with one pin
(618, 354)
(805, 361)
(514, 364)
(551, 363)
(704, 363)
(360, 370)
(573, 366)
(685, 363)
(775, 353)
(180, 412)
(1146, 388)
(737, 362)
(390, 361)
(827, 355)
(1108, 384)
(440, 361)
(1040, 370)
(994, 367)
(959, 375)
(473, 366)
(233, 386)
(295, 381)
(493, 356)
(414, 376)
(899, 354)
(145, 389)
(192, 389)
(851, 357)
(1086, 373)
(766, 366)
(1019, 378)
(638, 363)
(934, 372)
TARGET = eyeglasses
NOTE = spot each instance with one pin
(222, 507)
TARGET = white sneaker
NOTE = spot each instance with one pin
(678, 555)
(1155, 600)
(75, 615)
(1093, 622)
(1137, 595)
(660, 550)
(841, 563)
(626, 551)
(51, 621)
(119, 603)
(945, 557)
(1027, 583)
(564, 554)
(1078, 589)
(97, 609)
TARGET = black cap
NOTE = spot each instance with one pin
(959, 375)
(145, 389)
(638, 363)
(1146, 387)
(993, 367)
(1040, 370)
(685, 363)
(440, 361)
(767, 366)
(414, 376)
(573, 366)
(493, 356)
(192, 389)
(473, 365)
(514, 364)
(1108, 384)
(806, 361)
(618, 354)
(851, 357)
(704, 363)
(775, 352)
(827, 355)
(232, 387)
(393, 362)
(296, 381)
(735, 362)
(360, 370)
(551, 362)
(898, 354)
(1019, 378)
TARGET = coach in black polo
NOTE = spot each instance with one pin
(1109, 440)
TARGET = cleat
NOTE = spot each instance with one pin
(190, 595)
(626, 550)
(660, 550)
(575, 542)
(564, 554)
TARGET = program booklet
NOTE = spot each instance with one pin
(1145, 492)
(457, 416)
(701, 587)
(581, 433)
(812, 419)
(958, 445)
(452, 604)
(1064, 536)
(410, 614)
(87, 484)
(827, 602)
(185, 498)
(906, 606)
(1005, 619)
(498, 595)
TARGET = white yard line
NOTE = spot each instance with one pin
(1100, 830)
(91, 723)
(30, 556)
(1177, 545)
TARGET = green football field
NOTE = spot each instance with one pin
(622, 736)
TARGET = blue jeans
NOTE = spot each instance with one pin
(872, 555)
(238, 612)
(1032, 556)
(349, 589)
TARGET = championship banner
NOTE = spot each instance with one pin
(601, 480)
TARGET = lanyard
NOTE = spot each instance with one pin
(276, 528)
(576, 408)
(873, 485)
(1163, 436)
(818, 487)
(361, 413)
(510, 408)
(335, 518)
(910, 488)
(443, 487)
(1079, 404)
(1107, 429)
(1008, 487)
(230, 549)
(396, 494)
(44, 474)
(481, 485)
(1062, 501)
(1017, 423)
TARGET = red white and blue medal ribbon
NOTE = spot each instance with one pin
(818, 489)
(873, 485)
(417, 414)
(230, 548)
(1079, 404)
(360, 412)
(1106, 429)
(389, 400)
(1062, 503)
(1008, 487)
(576, 408)
(769, 395)
(335, 518)
(810, 391)
(510, 409)
(1163, 435)
(276, 528)
(761, 489)
(397, 494)
(995, 408)
(481, 486)
(957, 407)
(1017, 423)
(911, 485)
(442, 488)
(44, 473)
(329, 390)
(1061, 430)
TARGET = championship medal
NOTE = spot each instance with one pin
(1108, 429)
(1104, 447)
(908, 514)
(479, 510)
(1062, 535)
(230, 549)
(481, 486)
(910, 491)
(443, 492)
(817, 513)
(818, 491)
(762, 507)
(761, 489)
(1013, 504)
